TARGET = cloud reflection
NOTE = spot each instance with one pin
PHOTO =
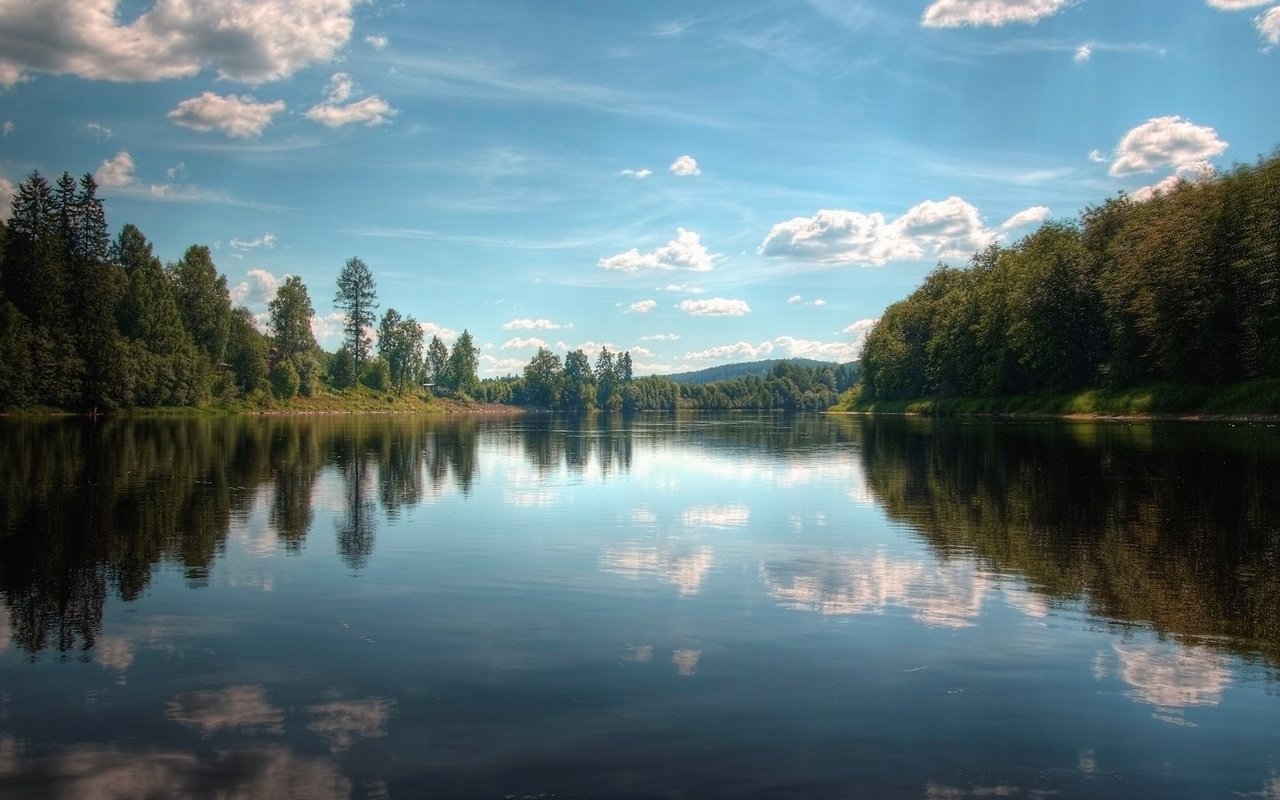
(686, 661)
(236, 708)
(1172, 676)
(89, 773)
(685, 569)
(733, 516)
(944, 594)
(339, 723)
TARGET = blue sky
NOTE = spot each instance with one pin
(695, 182)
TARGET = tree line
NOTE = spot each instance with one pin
(1183, 287)
(90, 322)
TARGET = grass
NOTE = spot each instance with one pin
(1254, 398)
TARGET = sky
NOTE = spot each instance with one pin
(696, 183)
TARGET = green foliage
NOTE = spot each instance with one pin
(247, 352)
(203, 302)
(460, 370)
(290, 313)
(357, 298)
(579, 383)
(1182, 288)
(543, 381)
(377, 375)
(437, 360)
(285, 381)
(342, 369)
(400, 343)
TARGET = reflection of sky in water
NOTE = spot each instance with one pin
(1172, 676)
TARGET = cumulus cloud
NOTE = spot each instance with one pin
(523, 344)
(638, 174)
(1083, 53)
(715, 307)
(267, 240)
(1194, 172)
(682, 287)
(236, 116)
(116, 172)
(1237, 5)
(533, 325)
(955, 13)
(950, 228)
(685, 166)
(101, 132)
(430, 329)
(661, 337)
(376, 42)
(7, 191)
(335, 112)
(686, 251)
(1027, 216)
(793, 299)
(643, 306)
(780, 347)
(7, 128)
(257, 288)
(1268, 25)
(859, 331)
(249, 41)
(1165, 141)
(818, 302)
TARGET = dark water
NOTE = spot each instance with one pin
(710, 606)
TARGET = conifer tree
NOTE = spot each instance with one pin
(357, 298)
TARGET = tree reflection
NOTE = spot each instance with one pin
(1177, 530)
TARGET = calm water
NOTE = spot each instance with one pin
(708, 606)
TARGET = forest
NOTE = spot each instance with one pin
(1181, 287)
(90, 323)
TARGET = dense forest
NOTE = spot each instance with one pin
(90, 323)
(1181, 287)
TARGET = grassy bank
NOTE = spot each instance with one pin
(1255, 398)
(358, 400)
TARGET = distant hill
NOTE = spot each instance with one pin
(727, 372)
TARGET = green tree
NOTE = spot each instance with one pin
(460, 371)
(247, 352)
(400, 343)
(357, 298)
(608, 389)
(437, 360)
(290, 313)
(203, 301)
(579, 382)
(285, 381)
(543, 380)
(342, 369)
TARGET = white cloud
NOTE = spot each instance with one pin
(1165, 141)
(430, 329)
(236, 116)
(1194, 172)
(793, 299)
(116, 172)
(686, 251)
(370, 111)
(328, 329)
(955, 13)
(682, 287)
(715, 307)
(7, 191)
(819, 302)
(533, 325)
(250, 41)
(257, 288)
(685, 166)
(178, 170)
(1027, 216)
(376, 42)
(661, 337)
(781, 347)
(644, 306)
(523, 344)
(950, 228)
(340, 88)
(859, 331)
(1268, 25)
(1097, 157)
(7, 127)
(1083, 53)
(267, 240)
(1237, 5)
(740, 350)
(100, 131)
(638, 174)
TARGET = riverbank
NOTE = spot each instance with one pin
(1252, 401)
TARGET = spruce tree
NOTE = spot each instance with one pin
(357, 298)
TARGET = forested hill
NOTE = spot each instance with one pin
(1181, 287)
(759, 369)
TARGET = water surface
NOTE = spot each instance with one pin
(695, 606)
